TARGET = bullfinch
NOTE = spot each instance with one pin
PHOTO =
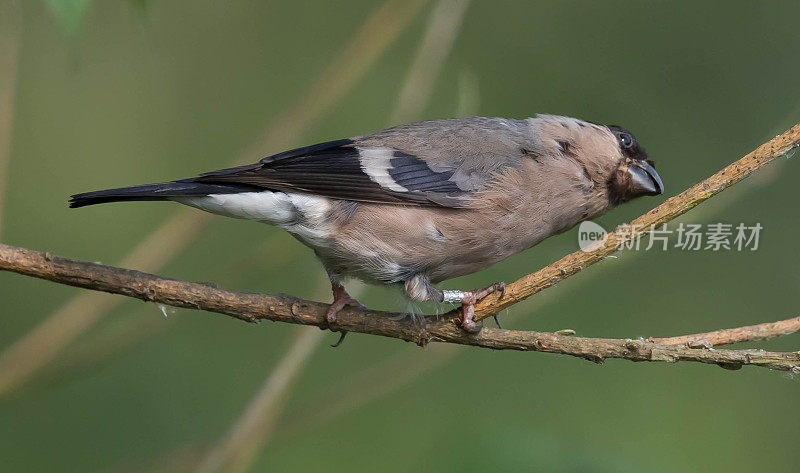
(417, 204)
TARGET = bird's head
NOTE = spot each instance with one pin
(634, 174)
(608, 154)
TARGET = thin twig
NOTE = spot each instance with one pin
(729, 336)
(30, 353)
(283, 308)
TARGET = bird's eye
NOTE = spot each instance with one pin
(626, 140)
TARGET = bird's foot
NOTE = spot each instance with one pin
(471, 298)
(340, 299)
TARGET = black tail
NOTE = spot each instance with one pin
(161, 191)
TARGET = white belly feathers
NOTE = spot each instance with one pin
(303, 215)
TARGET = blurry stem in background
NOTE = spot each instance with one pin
(27, 355)
(468, 94)
(377, 33)
(250, 433)
(373, 382)
(135, 326)
(101, 345)
(254, 307)
(90, 356)
(241, 444)
(238, 448)
(182, 458)
(443, 25)
(10, 32)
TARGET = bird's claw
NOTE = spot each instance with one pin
(496, 320)
(340, 299)
(502, 287)
(341, 339)
(468, 305)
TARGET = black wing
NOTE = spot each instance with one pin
(342, 170)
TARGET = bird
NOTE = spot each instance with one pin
(420, 203)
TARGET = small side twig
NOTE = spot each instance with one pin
(727, 336)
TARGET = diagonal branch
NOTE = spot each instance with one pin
(283, 308)
(254, 307)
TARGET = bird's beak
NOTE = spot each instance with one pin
(645, 179)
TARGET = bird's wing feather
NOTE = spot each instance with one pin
(436, 163)
(343, 170)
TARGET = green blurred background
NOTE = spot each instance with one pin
(118, 92)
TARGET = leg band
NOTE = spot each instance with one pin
(452, 296)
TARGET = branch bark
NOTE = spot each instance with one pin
(284, 308)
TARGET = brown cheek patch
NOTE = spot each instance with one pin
(620, 187)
